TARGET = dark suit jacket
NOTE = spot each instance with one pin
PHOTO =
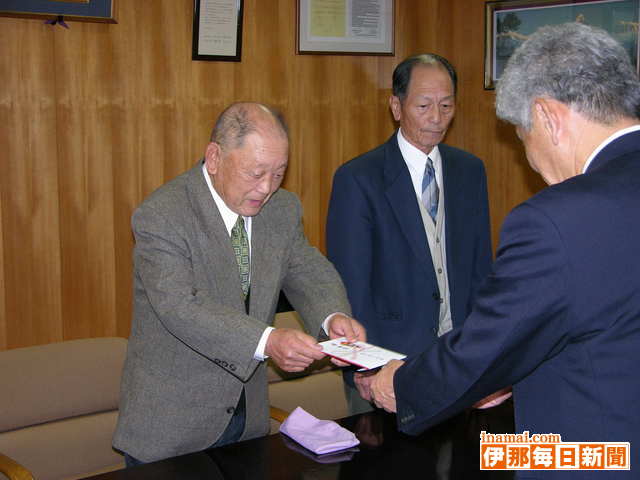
(376, 240)
(192, 344)
(558, 318)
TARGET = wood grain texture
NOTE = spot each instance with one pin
(96, 117)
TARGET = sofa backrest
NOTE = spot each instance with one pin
(59, 380)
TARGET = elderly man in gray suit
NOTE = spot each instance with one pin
(214, 247)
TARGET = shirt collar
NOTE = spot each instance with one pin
(228, 216)
(415, 158)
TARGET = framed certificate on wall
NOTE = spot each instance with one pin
(348, 27)
(217, 30)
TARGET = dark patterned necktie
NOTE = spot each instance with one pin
(240, 243)
(430, 190)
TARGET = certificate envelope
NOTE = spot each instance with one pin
(361, 354)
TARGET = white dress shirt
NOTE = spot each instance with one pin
(230, 217)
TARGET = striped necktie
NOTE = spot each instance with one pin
(240, 244)
(430, 190)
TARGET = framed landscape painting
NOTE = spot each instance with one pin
(509, 23)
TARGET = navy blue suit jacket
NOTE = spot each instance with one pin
(376, 240)
(558, 318)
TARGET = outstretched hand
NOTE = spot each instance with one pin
(382, 392)
(341, 325)
(292, 350)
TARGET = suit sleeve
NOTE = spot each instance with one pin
(311, 283)
(349, 239)
(482, 245)
(520, 319)
(163, 265)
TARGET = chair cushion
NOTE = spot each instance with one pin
(70, 448)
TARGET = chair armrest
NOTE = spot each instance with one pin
(278, 414)
(13, 469)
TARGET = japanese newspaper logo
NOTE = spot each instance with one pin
(547, 451)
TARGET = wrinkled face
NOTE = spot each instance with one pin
(246, 177)
(428, 108)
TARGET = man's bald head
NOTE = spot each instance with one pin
(241, 119)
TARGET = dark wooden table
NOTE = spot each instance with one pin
(447, 451)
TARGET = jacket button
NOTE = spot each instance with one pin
(230, 410)
(232, 367)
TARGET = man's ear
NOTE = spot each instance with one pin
(394, 104)
(552, 115)
(212, 158)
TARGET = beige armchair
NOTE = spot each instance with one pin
(58, 409)
(59, 405)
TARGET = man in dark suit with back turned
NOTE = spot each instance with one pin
(408, 224)
(213, 249)
(559, 316)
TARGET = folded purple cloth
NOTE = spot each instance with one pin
(319, 436)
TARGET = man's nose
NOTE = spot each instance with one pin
(435, 115)
(264, 185)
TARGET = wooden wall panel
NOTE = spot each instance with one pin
(476, 127)
(96, 117)
(29, 187)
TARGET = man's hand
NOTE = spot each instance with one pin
(341, 325)
(494, 399)
(363, 381)
(292, 350)
(382, 386)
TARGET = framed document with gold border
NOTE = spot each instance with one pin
(345, 27)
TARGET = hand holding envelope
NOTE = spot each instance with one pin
(293, 350)
(343, 326)
(382, 392)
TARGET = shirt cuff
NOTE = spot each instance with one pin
(259, 355)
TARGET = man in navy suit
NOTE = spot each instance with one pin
(559, 316)
(408, 223)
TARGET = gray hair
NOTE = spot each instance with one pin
(578, 65)
(241, 119)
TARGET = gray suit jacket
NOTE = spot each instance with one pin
(192, 345)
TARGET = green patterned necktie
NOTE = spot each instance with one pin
(240, 243)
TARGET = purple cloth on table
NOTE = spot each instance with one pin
(319, 436)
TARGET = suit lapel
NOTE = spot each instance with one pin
(402, 198)
(451, 177)
(211, 224)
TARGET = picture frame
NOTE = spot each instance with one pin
(508, 23)
(217, 30)
(345, 27)
(103, 11)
